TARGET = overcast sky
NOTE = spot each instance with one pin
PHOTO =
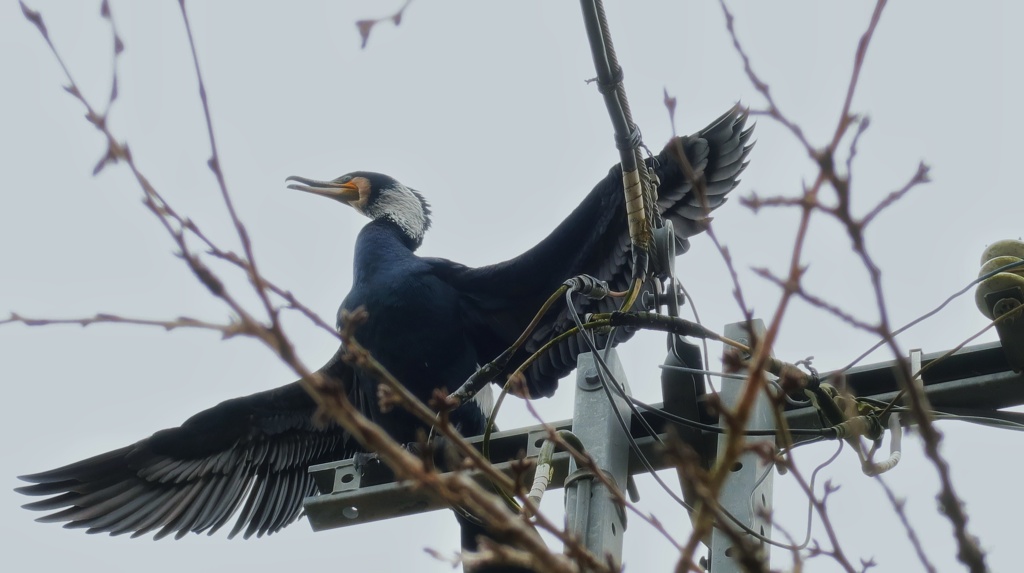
(483, 107)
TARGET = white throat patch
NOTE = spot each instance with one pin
(403, 207)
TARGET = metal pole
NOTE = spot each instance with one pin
(592, 514)
(747, 494)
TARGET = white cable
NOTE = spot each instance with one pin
(895, 440)
(540, 482)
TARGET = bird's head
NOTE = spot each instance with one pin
(377, 196)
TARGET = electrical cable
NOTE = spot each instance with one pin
(490, 371)
(995, 422)
(604, 373)
(789, 399)
(932, 312)
(895, 440)
(543, 472)
(824, 433)
(696, 318)
(810, 485)
(982, 421)
(938, 415)
(603, 370)
(954, 350)
(814, 476)
(689, 370)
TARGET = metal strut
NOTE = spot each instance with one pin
(593, 514)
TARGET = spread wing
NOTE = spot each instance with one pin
(250, 453)
(501, 299)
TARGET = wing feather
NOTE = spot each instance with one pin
(501, 299)
(250, 452)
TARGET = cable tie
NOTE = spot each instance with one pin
(589, 474)
(815, 379)
(588, 286)
(613, 82)
(632, 140)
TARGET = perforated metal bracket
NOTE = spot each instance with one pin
(592, 512)
(974, 377)
(747, 494)
(337, 476)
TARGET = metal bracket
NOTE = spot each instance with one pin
(974, 377)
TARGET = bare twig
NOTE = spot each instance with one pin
(455, 488)
(900, 506)
(773, 110)
(227, 330)
(215, 167)
(809, 203)
(366, 26)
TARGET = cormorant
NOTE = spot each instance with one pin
(432, 323)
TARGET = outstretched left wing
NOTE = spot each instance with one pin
(250, 452)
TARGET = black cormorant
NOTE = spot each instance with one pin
(431, 323)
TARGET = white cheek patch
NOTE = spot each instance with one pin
(402, 207)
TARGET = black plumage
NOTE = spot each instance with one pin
(432, 322)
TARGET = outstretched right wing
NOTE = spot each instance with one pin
(594, 239)
(250, 452)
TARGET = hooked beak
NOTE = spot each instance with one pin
(344, 192)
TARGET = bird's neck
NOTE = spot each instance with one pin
(381, 244)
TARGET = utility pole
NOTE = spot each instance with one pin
(747, 494)
(977, 377)
(591, 511)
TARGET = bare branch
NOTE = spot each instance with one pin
(773, 110)
(215, 166)
(227, 330)
(366, 26)
(921, 176)
(900, 506)
(816, 301)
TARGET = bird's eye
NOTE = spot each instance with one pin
(343, 179)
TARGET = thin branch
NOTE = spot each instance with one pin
(215, 166)
(818, 302)
(227, 330)
(845, 119)
(762, 87)
(920, 177)
(366, 26)
(900, 506)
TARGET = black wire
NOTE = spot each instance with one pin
(824, 433)
(696, 318)
(605, 370)
(939, 415)
(932, 312)
(602, 370)
(810, 486)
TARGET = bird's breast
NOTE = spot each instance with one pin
(414, 329)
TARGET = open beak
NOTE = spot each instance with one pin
(344, 192)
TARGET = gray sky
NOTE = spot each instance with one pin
(482, 107)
